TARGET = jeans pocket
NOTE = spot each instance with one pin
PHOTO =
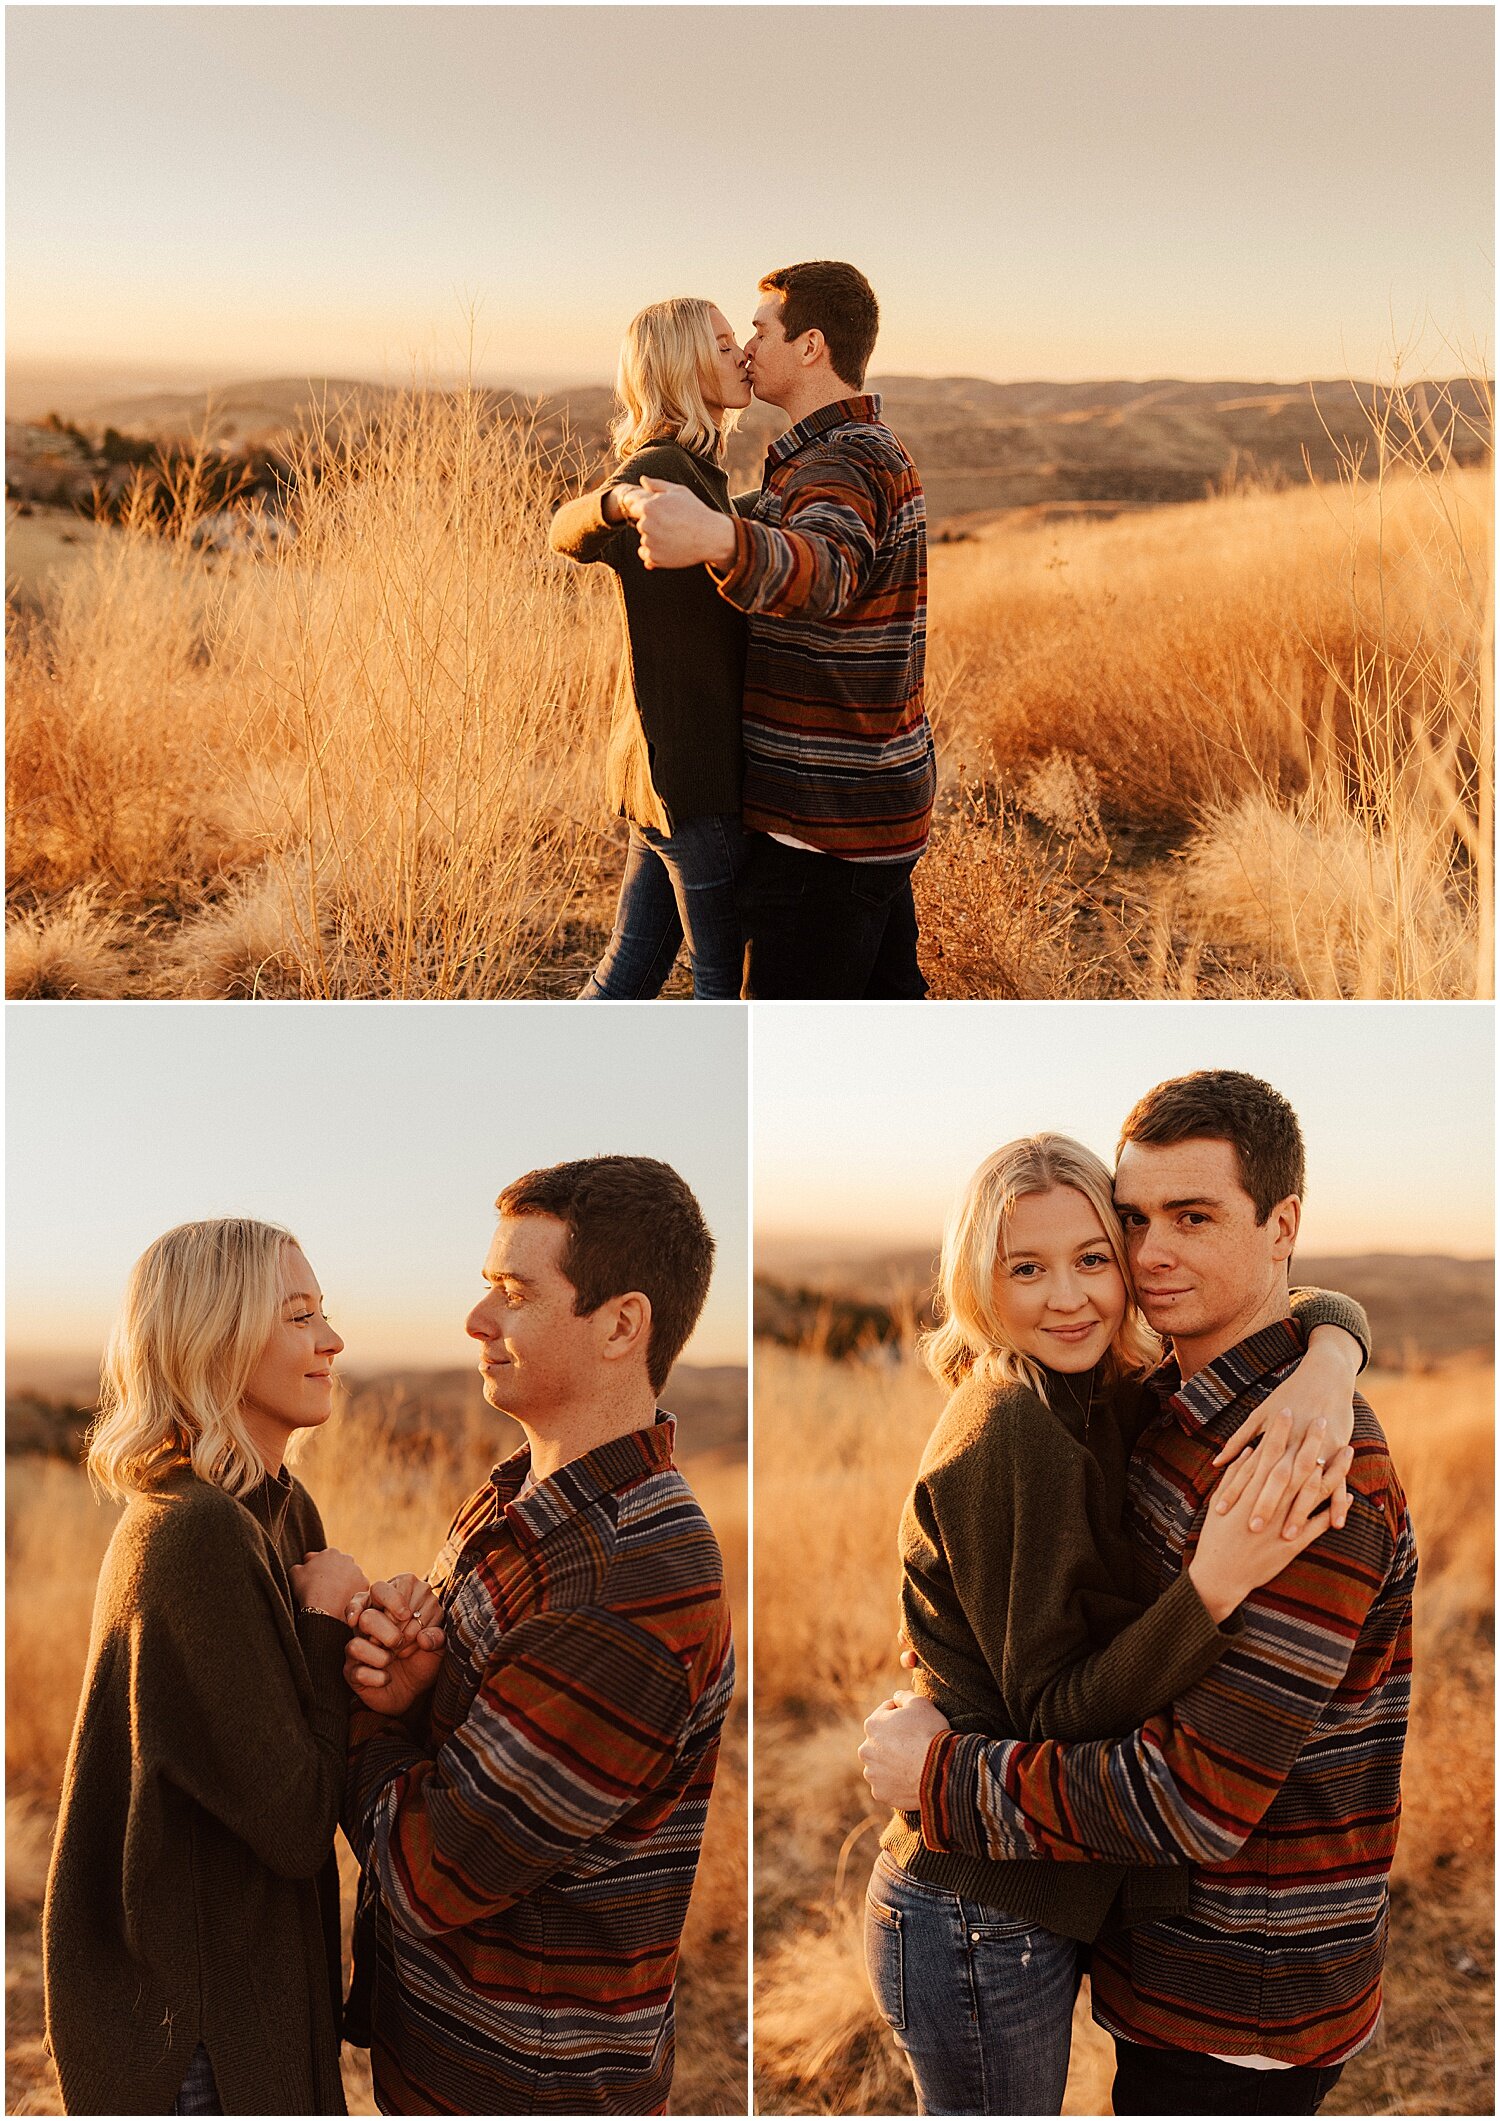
(884, 1962)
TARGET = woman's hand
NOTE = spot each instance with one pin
(895, 1749)
(328, 1581)
(1238, 1551)
(1316, 1408)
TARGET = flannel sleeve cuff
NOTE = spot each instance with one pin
(737, 581)
(951, 1824)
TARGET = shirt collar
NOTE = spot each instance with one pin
(839, 414)
(582, 1482)
(1212, 1399)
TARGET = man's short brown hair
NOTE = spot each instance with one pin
(632, 1223)
(836, 300)
(1220, 1104)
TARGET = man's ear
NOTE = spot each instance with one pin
(1285, 1220)
(629, 1327)
(814, 347)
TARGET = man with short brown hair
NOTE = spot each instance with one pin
(1276, 1777)
(528, 1801)
(829, 560)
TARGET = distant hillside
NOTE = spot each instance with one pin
(1423, 1308)
(42, 1414)
(981, 446)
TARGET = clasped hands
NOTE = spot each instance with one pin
(393, 1655)
(676, 528)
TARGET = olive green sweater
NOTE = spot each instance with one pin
(675, 749)
(193, 1893)
(1020, 1596)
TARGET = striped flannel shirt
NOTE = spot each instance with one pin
(831, 565)
(1277, 1776)
(528, 1858)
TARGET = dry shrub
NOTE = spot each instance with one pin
(66, 951)
(999, 909)
(837, 1445)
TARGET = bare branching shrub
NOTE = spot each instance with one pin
(999, 910)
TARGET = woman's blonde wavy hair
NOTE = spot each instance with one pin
(969, 1338)
(199, 1307)
(667, 362)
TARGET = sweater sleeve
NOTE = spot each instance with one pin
(1326, 1307)
(819, 558)
(1033, 1621)
(580, 530)
(221, 1709)
(1193, 1783)
(580, 1718)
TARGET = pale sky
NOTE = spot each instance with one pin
(1261, 193)
(869, 1141)
(380, 1133)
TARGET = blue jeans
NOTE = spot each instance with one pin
(676, 885)
(980, 2004)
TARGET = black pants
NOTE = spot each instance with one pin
(1169, 2080)
(818, 928)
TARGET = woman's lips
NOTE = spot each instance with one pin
(1081, 1332)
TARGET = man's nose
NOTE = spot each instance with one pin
(1151, 1247)
(477, 1324)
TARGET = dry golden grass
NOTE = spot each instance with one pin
(836, 1446)
(1253, 738)
(361, 763)
(391, 1509)
(1239, 747)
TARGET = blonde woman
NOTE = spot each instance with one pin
(674, 762)
(1019, 1602)
(191, 1930)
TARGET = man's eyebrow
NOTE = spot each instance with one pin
(506, 1274)
(1192, 1200)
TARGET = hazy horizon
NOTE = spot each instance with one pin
(1084, 192)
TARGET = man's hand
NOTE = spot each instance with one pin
(894, 1753)
(677, 529)
(396, 1651)
(1305, 1423)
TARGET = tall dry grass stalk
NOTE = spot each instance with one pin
(438, 681)
(837, 1445)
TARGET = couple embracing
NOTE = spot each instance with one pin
(1158, 1721)
(520, 1750)
(770, 744)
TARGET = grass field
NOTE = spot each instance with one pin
(1235, 747)
(390, 1508)
(836, 1445)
